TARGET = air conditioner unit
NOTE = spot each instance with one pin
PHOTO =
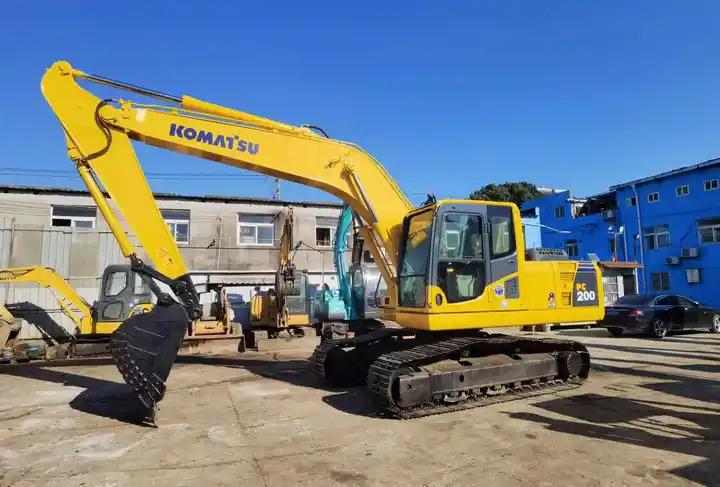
(608, 215)
(672, 260)
(689, 252)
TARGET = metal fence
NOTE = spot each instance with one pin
(77, 255)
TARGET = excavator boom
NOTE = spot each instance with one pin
(69, 300)
(98, 137)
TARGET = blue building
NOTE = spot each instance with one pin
(656, 234)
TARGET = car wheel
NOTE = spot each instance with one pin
(615, 331)
(715, 325)
(658, 328)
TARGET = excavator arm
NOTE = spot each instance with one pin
(98, 136)
(69, 300)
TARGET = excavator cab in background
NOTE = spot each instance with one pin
(452, 267)
(122, 291)
(122, 294)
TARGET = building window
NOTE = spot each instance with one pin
(709, 231)
(692, 275)
(653, 197)
(178, 222)
(325, 230)
(559, 212)
(657, 237)
(660, 281)
(255, 229)
(631, 201)
(82, 217)
(712, 184)
(571, 247)
(683, 190)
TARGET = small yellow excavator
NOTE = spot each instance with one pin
(452, 267)
(123, 293)
(286, 307)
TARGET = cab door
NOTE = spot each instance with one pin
(459, 258)
(502, 254)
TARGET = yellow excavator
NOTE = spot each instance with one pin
(123, 293)
(286, 306)
(452, 267)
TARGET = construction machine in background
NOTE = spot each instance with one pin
(452, 267)
(285, 307)
(122, 294)
(354, 306)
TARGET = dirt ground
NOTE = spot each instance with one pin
(649, 415)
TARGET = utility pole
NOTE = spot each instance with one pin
(276, 196)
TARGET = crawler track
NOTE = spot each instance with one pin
(552, 365)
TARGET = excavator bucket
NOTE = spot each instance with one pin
(144, 348)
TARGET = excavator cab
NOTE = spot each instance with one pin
(452, 251)
(123, 293)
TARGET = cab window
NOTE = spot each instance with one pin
(461, 259)
(116, 283)
(413, 267)
(501, 231)
(141, 286)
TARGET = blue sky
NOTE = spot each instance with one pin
(448, 95)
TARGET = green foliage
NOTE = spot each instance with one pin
(517, 193)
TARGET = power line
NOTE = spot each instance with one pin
(64, 173)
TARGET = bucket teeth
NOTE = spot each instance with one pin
(144, 348)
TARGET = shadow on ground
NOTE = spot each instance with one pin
(100, 397)
(116, 400)
(694, 337)
(679, 427)
(298, 372)
(710, 355)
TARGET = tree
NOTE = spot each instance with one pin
(517, 193)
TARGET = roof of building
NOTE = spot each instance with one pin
(172, 196)
(609, 264)
(680, 170)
